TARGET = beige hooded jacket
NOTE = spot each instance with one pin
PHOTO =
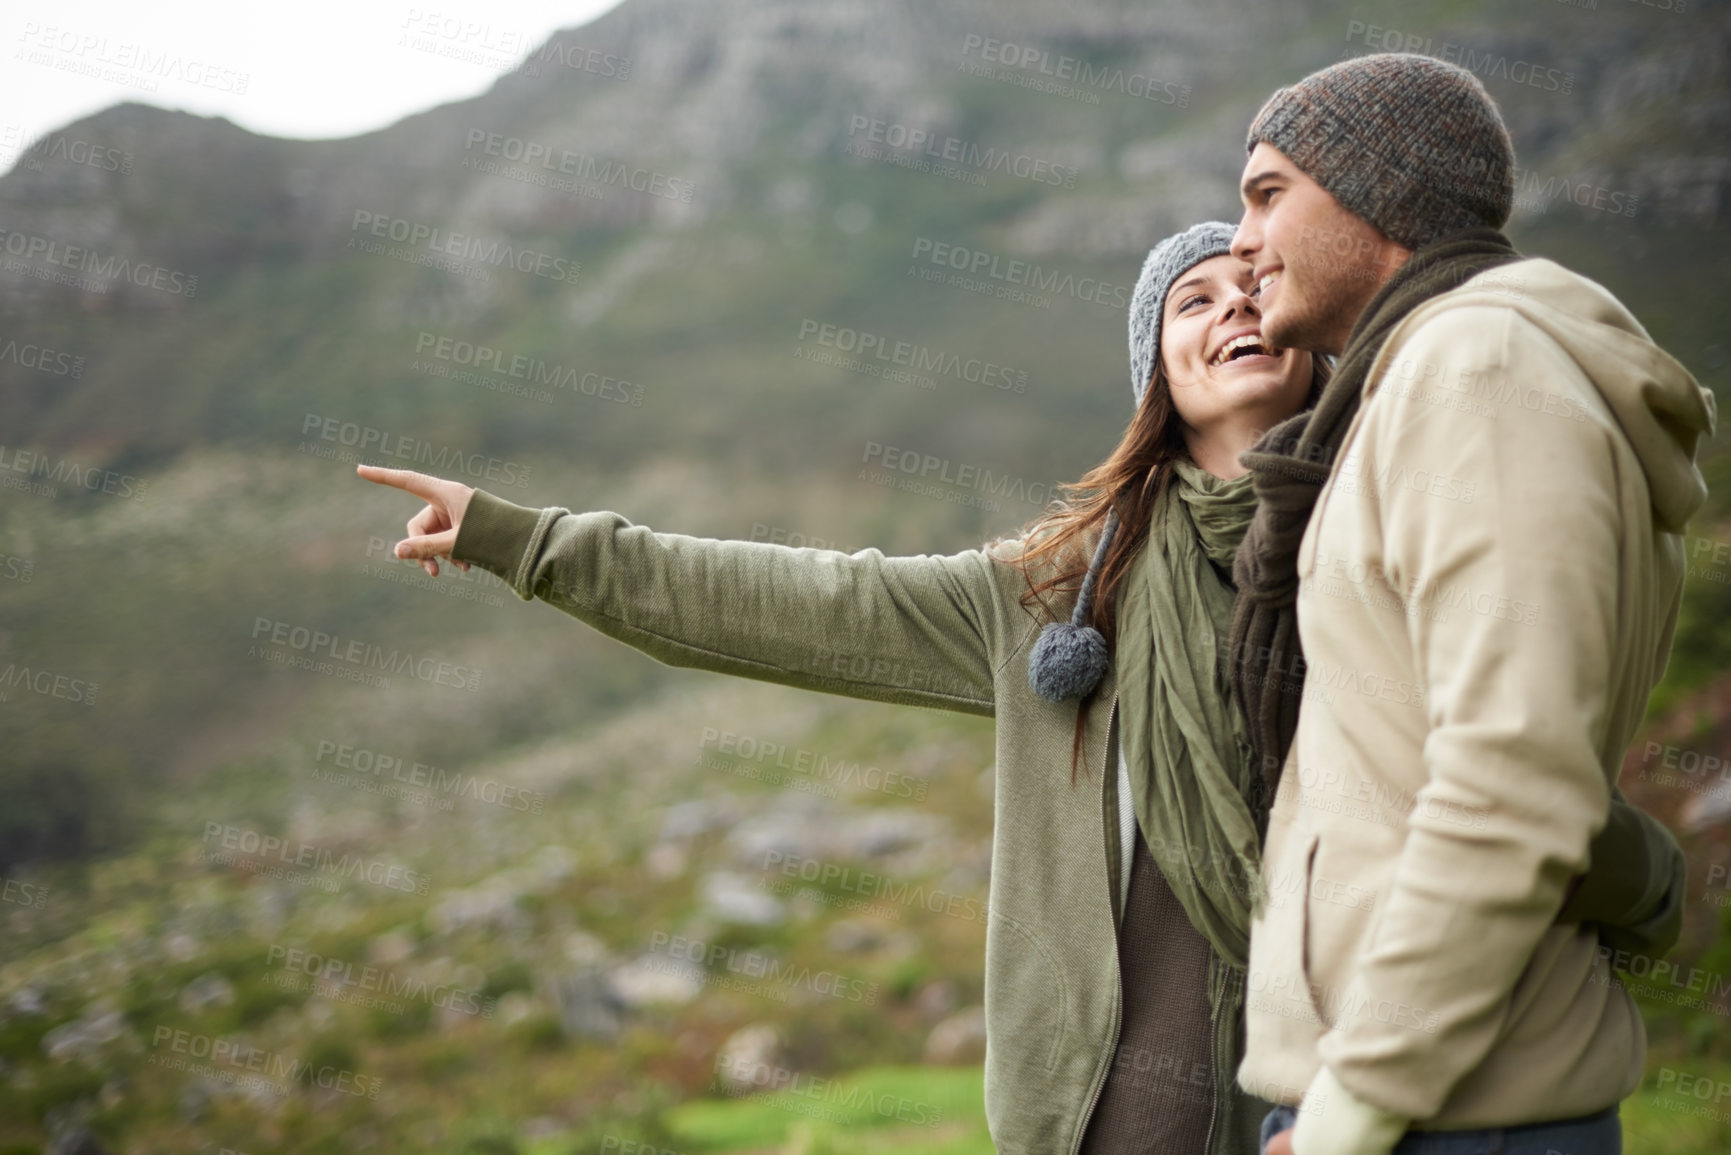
(1498, 553)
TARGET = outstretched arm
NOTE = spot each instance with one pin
(917, 630)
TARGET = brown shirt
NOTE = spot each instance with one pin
(1158, 1098)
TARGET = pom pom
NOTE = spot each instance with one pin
(1067, 661)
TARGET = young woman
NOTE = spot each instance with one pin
(1127, 813)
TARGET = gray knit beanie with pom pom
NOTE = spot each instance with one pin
(1069, 658)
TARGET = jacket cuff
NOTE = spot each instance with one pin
(503, 538)
(1334, 1121)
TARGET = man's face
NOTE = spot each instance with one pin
(1317, 264)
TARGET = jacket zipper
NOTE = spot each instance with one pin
(1214, 965)
(1117, 1016)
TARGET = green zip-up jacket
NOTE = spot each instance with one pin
(948, 632)
(945, 632)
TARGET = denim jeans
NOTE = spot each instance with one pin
(1600, 1134)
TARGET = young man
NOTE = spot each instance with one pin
(1478, 531)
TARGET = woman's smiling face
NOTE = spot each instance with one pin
(1217, 364)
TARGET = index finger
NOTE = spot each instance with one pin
(421, 485)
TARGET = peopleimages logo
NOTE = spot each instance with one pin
(314, 644)
(872, 886)
(462, 246)
(705, 956)
(90, 54)
(579, 166)
(910, 355)
(231, 839)
(42, 359)
(780, 756)
(577, 58)
(77, 152)
(932, 146)
(521, 366)
(993, 267)
(1485, 64)
(172, 1048)
(965, 476)
(829, 1099)
(439, 458)
(31, 894)
(1083, 73)
(371, 980)
(33, 463)
(99, 270)
(48, 683)
(400, 768)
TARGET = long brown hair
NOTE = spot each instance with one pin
(1130, 481)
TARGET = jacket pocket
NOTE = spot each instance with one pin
(1304, 933)
(1028, 1008)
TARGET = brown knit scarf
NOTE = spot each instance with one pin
(1289, 466)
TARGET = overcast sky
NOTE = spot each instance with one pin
(309, 69)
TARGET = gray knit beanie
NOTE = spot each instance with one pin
(1069, 658)
(1167, 261)
(1411, 144)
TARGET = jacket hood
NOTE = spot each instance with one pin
(1663, 410)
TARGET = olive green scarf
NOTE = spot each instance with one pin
(1186, 744)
